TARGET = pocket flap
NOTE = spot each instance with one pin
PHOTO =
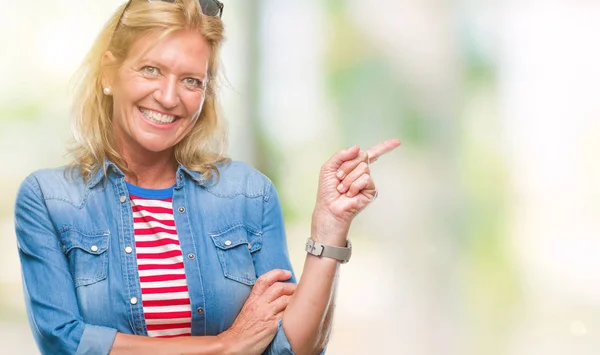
(92, 243)
(235, 236)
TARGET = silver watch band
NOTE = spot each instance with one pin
(342, 254)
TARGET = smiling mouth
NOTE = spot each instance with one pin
(157, 117)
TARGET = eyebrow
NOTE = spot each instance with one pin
(147, 61)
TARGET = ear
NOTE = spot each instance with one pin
(107, 74)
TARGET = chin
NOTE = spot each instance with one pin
(155, 146)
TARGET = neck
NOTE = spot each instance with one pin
(147, 169)
(151, 171)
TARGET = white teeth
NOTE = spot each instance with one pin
(157, 116)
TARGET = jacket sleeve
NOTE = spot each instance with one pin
(50, 296)
(274, 255)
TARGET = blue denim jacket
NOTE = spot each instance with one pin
(81, 286)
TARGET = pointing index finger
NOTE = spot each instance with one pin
(382, 148)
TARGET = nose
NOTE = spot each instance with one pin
(167, 94)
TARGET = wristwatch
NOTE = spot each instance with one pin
(339, 253)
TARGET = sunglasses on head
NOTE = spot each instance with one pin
(209, 7)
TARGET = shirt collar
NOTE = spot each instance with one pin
(103, 172)
(194, 175)
(109, 165)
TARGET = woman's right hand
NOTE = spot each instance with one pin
(256, 325)
(345, 189)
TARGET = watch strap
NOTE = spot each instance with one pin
(342, 254)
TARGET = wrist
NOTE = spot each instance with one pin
(328, 229)
(227, 344)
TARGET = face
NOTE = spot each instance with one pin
(158, 92)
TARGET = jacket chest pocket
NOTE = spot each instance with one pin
(87, 256)
(235, 247)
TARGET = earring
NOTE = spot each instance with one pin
(106, 91)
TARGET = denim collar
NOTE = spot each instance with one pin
(194, 175)
(109, 166)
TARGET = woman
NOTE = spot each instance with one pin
(152, 235)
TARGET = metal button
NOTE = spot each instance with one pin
(181, 209)
(228, 242)
(133, 300)
(128, 250)
(249, 246)
(191, 256)
(64, 248)
(123, 199)
(199, 310)
(94, 248)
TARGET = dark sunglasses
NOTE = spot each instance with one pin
(209, 7)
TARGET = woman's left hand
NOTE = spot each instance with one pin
(345, 188)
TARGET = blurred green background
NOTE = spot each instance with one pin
(485, 238)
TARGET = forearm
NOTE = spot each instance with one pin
(307, 319)
(327, 322)
(127, 344)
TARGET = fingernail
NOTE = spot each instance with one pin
(340, 187)
(288, 273)
(348, 194)
(340, 174)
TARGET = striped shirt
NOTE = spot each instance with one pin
(165, 296)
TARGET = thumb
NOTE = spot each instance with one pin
(334, 163)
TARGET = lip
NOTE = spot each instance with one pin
(164, 126)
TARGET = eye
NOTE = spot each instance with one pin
(194, 83)
(150, 71)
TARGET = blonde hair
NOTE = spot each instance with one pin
(203, 147)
